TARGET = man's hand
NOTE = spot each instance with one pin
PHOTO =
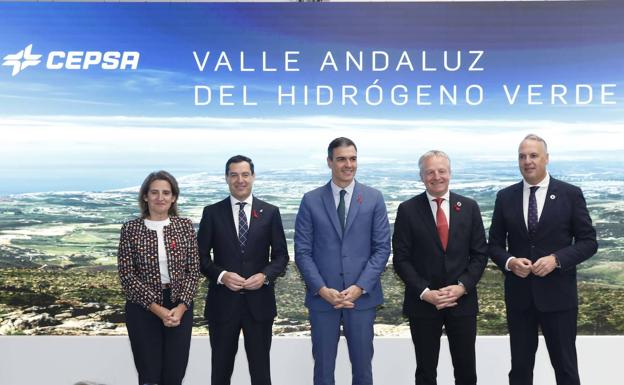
(351, 294)
(544, 266)
(453, 292)
(440, 299)
(521, 267)
(254, 282)
(233, 281)
(334, 297)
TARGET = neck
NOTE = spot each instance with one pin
(341, 184)
(158, 217)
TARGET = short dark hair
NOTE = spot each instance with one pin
(238, 159)
(175, 191)
(339, 142)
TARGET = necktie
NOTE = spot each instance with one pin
(341, 209)
(441, 223)
(532, 217)
(243, 227)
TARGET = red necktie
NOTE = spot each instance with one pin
(441, 223)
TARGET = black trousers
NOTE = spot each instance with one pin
(559, 330)
(224, 343)
(160, 353)
(461, 333)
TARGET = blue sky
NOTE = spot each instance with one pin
(57, 124)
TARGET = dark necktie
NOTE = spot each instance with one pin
(532, 217)
(243, 227)
(341, 209)
(441, 224)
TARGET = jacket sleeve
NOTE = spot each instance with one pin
(477, 253)
(585, 244)
(136, 291)
(402, 246)
(204, 243)
(380, 245)
(191, 273)
(497, 242)
(304, 248)
(279, 250)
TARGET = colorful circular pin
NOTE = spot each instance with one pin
(458, 204)
(552, 196)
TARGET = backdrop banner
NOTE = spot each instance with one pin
(95, 96)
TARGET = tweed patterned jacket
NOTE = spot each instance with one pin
(137, 261)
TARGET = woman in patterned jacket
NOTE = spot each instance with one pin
(159, 271)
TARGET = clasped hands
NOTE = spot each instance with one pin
(170, 317)
(522, 267)
(444, 297)
(235, 282)
(341, 299)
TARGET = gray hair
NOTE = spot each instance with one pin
(537, 139)
(430, 154)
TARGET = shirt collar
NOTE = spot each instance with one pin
(544, 183)
(446, 196)
(336, 189)
(234, 201)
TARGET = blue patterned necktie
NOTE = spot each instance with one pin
(243, 227)
(532, 217)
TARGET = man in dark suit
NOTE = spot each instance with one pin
(342, 244)
(246, 238)
(540, 231)
(440, 253)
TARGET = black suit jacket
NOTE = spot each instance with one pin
(564, 229)
(265, 252)
(421, 262)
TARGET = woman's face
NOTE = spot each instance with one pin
(159, 199)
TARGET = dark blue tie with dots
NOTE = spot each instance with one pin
(532, 219)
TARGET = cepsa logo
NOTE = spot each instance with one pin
(73, 60)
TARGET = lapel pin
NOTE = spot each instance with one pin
(552, 196)
(457, 206)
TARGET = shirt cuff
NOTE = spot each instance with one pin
(220, 277)
(507, 263)
(423, 293)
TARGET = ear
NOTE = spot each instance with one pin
(329, 162)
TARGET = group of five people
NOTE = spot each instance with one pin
(540, 231)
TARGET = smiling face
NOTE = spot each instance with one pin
(240, 180)
(436, 174)
(532, 160)
(159, 199)
(343, 165)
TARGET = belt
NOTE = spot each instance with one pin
(166, 286)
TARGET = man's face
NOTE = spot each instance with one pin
(532, 161)
(240, 180)
(436, 174)
(343, 165)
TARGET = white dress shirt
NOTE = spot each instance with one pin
(540, 198)
(235, 209)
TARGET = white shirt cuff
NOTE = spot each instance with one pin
(507, 263)
(220, 277)
(423, 293)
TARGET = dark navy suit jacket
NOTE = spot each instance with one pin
(564, 229)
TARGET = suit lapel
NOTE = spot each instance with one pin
(354, 206)
(228, 220)
(549, 205)
(455, 218)
(517, 200)
(330, 207)
(256, 208)
(424, 210)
